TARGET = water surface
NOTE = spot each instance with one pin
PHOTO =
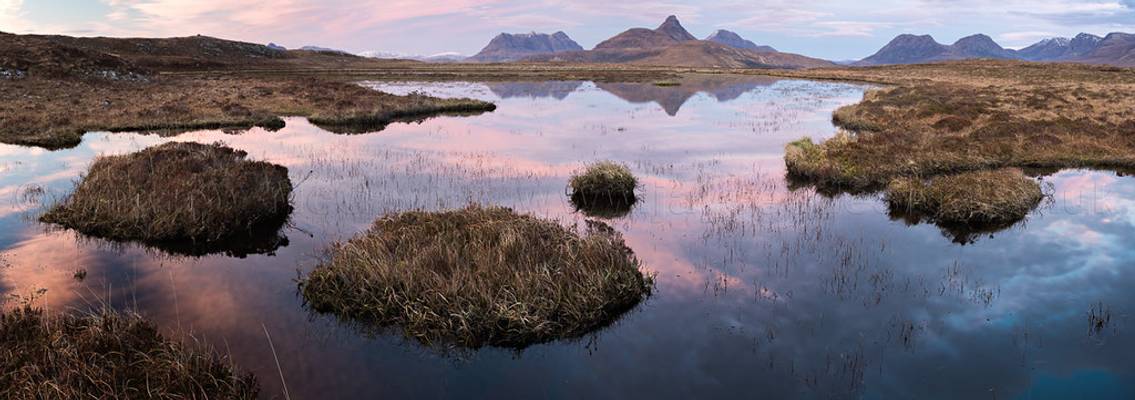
(763, 289)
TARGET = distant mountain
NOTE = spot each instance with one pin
(448, 57)
(385, 55)
(668, 34)
(274, 46)
(911, 49)
(318, 49)
(1115, 49)
(637, 38)
(696, 54)
(512, 47)
(980, 46)
(1056, 49)
(674, 29)
(671, 45)
(709, 54)
(734, 40)
(1047, 49)
(1082, 45)
(908, 49)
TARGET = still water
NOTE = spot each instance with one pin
(765, 289)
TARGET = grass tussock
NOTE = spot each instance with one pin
(995, 197)
(812, 163)
(176, 192)
(604, 181)
(107, 355)
(413, 107)
(479, 276)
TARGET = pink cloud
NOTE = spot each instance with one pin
(293, 21)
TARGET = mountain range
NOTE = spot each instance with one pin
(670, 44)
(1114, 49)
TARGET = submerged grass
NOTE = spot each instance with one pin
(982, 197)
(479, 276)
(107, 355)
(176, 192)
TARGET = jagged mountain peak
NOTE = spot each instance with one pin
(1058, 41)
(674, 29)
(668, 34)
(1087, 37)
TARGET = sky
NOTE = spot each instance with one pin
(836, 30)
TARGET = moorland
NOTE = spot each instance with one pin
(928, 134)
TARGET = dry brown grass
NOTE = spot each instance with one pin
(55, 113)
(107, 356)
(605, 180)
(479, 277)
(510, 72)
(176, 193)
(604, 189)
(943, 121)
(412, 107)
(994, 197)
(955, 117)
